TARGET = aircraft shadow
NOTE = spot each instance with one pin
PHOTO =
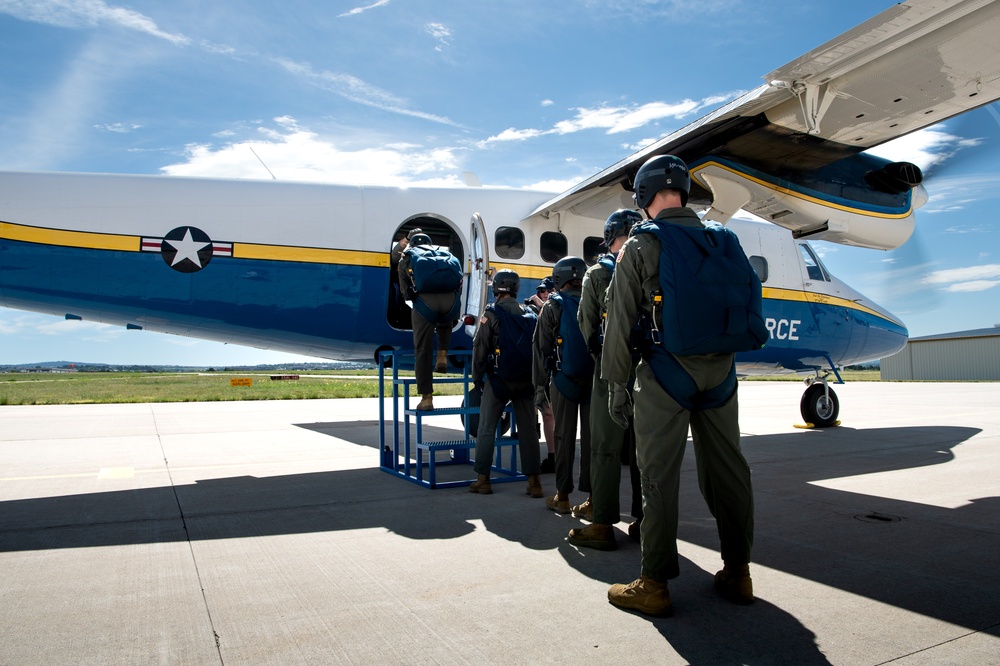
(803, 529)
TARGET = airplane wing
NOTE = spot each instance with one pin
(914, 65)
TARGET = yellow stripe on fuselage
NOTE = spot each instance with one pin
(310, 255)
(781, 294)
(83, 239)
(798, 195)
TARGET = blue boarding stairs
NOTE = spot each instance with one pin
(409, 456)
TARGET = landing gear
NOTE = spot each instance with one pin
(820, 405)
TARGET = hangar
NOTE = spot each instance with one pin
(962, 356)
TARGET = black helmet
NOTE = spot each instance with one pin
(567, 269)
(413, 232)
(547, 284)
(420, 239)
(619, 223)
(663, 172)
(506, 281)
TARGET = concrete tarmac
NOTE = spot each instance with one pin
(265, 533)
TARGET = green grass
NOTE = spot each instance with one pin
(121, 387)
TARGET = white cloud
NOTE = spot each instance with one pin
(970, 273)
(361, 10)
(85, 13)
(925, 148)
(547, 102)
(973, 286)
(295, 153)
(441, 33)
(118, 128)
(356, 90)
(612, 119)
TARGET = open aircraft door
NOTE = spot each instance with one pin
(479, 275)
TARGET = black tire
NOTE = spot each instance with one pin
(816, 409)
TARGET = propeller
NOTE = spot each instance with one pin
(950, 154)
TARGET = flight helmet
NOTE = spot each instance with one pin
(663, 172)
(568, 269)
(619, 223)
(420, 239)
(506, 281)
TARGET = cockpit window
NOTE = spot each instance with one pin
(813, 267)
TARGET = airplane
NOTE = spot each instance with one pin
(305, 268)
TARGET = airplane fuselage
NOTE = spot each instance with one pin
(305, 268)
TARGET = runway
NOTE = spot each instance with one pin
(265, 533)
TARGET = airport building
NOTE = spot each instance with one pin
(963, 356)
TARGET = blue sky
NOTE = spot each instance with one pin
(522, 93)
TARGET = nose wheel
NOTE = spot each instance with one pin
(820, 405)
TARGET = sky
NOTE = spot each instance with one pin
(521, 93)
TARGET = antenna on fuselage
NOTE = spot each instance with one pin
(261, 161)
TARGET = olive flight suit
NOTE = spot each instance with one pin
(661, 424)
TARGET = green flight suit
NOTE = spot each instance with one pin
(565, 410)
(606, 436)
(661, 425)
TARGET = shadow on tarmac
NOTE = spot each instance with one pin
(939, 562)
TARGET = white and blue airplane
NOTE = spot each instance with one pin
(305, 268)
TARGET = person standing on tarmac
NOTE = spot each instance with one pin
(501, 367)
(561, 352)
(606, 435)
(432, 312)
(661, 424)
(542, 291)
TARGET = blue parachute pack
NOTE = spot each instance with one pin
(709, 302)
(434, 270)
(512, 354)
(575, 365)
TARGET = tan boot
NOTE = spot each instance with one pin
(535, 486)
(558, 503)
(482, 486)
(601, 537)
(584, 510)
(442, 362)
(644, 595)
(426, 403)
(734, 583)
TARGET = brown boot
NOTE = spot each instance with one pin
(584, 510)
(442, 362)
(558, 503)
(535, 486)
(635, 530)
(482, 486)
(601, 537)
(644, 595)
(426, 403)
(734, 583)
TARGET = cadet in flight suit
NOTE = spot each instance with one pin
(661, 424)
(569, 390)
(423, 329)
(606, 436)
(496, 391)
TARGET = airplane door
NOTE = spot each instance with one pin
(479, 274)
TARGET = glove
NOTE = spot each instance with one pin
(478, 385)
(620, 405)
(541, 398)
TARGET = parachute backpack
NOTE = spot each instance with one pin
(574, 364)
(434, 270)
(710, 297)
(512, 354)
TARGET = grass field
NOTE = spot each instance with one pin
(118, 387)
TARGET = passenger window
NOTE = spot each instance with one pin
(592, 249)
(813, 268)
(759, 265)
(553, 246)
(509, 243)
